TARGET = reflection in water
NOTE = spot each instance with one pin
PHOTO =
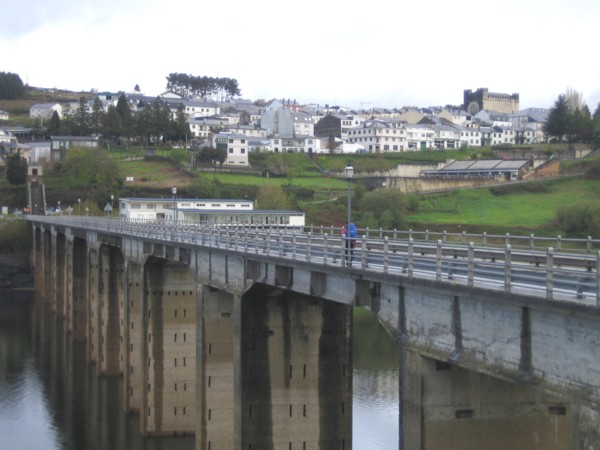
(51, 398)
(25, 421)
(375, 385)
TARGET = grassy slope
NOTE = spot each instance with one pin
(520, 210)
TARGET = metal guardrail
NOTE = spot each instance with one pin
(511, 264)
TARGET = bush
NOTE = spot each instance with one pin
(538, 188)
(579, 221)
(593, 171)
(15, 238)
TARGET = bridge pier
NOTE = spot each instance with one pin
(133, 337)
(169, 349)
(216, 390)
(79, 263)
(296, 371)
(109, 312)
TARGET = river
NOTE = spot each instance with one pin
(51, 399)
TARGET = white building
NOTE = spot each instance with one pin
(419, 137)
(446, 137)
(379, 136)
(295, 144)
(236, 146)
(45, 110)
(215, 212)
(198, 108)
(39, 152)
(470, 137)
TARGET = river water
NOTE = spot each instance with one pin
(51, 399)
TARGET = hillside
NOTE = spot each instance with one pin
(19, 109)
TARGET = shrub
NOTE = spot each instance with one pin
(579, 221)
(15, 238)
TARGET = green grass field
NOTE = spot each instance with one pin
(522, 209)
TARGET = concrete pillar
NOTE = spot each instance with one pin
(410, 401)
(59, 274)
(296, 361)
(110, 310)
(68, 288)
(132, 335)
(48, 267)
(168, 402)
(93, 319)
(215, 386)
(467, 410)
(79, 289)
(38, 260)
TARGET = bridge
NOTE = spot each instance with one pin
(205, 324)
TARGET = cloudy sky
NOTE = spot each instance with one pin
(350, 53)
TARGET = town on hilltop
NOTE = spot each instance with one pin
(485, 119)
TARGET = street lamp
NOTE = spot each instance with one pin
(174, 191)
(78, 206)
(58, 210)
(349, 171)
(112, 198)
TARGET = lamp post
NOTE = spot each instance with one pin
(58, 210)
(349, 171)
(112, 198)
(78, 206)
(174, 191)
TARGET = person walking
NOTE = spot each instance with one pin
(350, 234)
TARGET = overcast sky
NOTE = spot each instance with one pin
(349, 53)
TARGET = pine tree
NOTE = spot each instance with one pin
(557, 126)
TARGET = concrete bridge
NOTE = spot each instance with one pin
(243, 336)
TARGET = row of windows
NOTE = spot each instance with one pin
(374, 131)
(136, 205)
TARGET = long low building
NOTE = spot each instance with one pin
(487, 168)
(207, 211)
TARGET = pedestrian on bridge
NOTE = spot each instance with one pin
(350, 234)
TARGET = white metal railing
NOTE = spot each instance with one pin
(511, 264)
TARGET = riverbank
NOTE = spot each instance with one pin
(15, 273)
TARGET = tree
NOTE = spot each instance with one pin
(180, 127)
(66, 123)
(16, 169)
(574, 99)
(557, 125)
(81, 119)
(93, 169)
(278, 164)
(96, 116)
(126, 118)
(54, 124)
(388, 206)
(111, 124)
(272, 197)
(11, 86)
(582, 126)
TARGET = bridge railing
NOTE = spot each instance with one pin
(531, 241)
(552, 273)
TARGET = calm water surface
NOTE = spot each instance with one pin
(51, 399)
